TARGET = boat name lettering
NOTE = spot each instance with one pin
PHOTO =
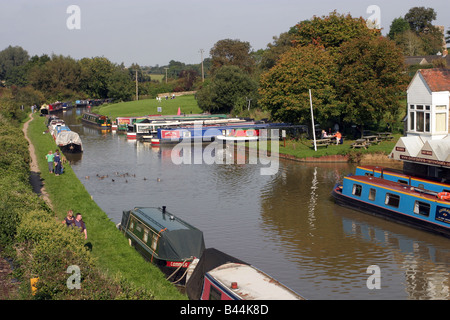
(401, 149)
(443, 214)
(176, 264)
(427, 152)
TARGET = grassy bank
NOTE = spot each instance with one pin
(109, 247)
(305, 149)
(187, 105)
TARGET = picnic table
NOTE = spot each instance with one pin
(371, 139)
(322, 142)
(360, 143)
(385, 136)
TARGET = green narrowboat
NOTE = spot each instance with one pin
(97, 120)
(163, 239)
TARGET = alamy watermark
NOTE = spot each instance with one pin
(374, 281)
(73, 22)
(193, 151)
(374, 20)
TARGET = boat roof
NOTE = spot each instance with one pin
(157, 219)
(252, 284)
(401, 174)
(396, 186)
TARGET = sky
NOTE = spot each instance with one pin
(153, 32)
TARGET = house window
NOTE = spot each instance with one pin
(357, 189)
(372, 194)
(392, 200)
(420, 118)
(441, 122)
(422, 208)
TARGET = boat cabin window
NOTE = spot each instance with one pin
(372, 194)
(422, 208)
(368, 174)
(214, 293)
(357, 189)
(145, 238)
(392, 200)
(154, 241)
(402, 181)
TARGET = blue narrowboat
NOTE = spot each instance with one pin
(418, 207)
(401, 177)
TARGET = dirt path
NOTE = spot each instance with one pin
(35, 177)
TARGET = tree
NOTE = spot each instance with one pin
(232, 52)
(95, 75)
(420, 18)
(229, 87)
(58, 78)
(420, 21)
(331, 31)
(274, 50)
(398, 26)
(10, 58)
(370, 80)
(284, 89)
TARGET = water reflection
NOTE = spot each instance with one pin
(286, 224)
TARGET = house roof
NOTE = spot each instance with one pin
(437, 79)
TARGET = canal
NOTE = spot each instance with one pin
(285, 224)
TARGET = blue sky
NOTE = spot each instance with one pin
(150, 32)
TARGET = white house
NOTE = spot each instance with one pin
(427, 142)
(428, 97)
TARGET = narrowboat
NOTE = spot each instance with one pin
(239, 135)
(402, 177)
(98, 120)
(163, 239)
(219, 276)
(69, 142)
(417, 207)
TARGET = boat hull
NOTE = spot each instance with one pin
(381, 212)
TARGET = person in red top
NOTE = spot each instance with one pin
(338, 136)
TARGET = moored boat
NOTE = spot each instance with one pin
(98, 120)
(69, 142)
(424, 209)
(219, 276)
(403, 177)
(164, 239)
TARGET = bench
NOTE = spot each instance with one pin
(371, 140)
(360, 143)
(385, 136)
(322, 142)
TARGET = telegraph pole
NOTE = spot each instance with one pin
(137, 87)
(166, 74)
(203, 74)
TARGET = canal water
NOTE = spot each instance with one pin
(285, 224)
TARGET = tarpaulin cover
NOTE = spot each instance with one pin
(67, 137)
(210, 259)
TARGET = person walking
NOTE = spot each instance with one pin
(50, 158)
(80, 224)
(57, 160)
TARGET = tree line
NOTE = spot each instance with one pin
(356, 74)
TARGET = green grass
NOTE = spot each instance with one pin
(304, 149)
(109, 246)
(187, 104)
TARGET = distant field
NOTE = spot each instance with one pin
(157, 77)
(187, 104)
